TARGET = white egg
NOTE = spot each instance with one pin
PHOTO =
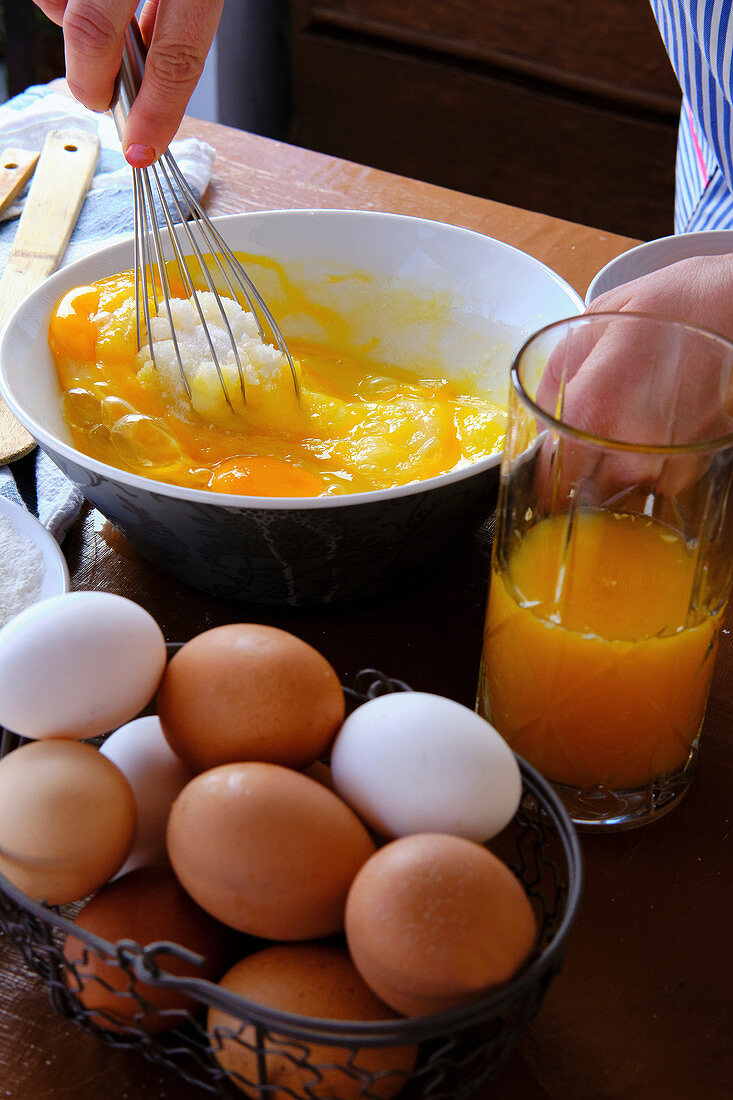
(157, 776)
(78, 665)
(411, 762)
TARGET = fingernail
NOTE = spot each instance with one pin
(140, 156)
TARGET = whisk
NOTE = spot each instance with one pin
(190, 232)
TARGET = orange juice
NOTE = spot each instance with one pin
(593, 670)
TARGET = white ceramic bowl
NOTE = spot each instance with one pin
(485, 298)
(656, 254)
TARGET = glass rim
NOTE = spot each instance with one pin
(716, 443)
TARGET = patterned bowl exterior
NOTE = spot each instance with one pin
(292, 556)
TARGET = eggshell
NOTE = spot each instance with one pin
(67, 819)
(156, 776)
(145, 906)
(78, 665)
(312, 980)
(247, 692)
(266, 850)
(411, 762)
(433, 921)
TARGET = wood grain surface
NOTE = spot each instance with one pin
(612, 49)
(642, 1005)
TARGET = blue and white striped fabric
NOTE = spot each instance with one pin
(698, 35)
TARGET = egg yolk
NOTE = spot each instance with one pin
(264, 477)
(359, 425)
(72, 330)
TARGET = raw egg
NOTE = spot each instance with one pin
(156, 776)
(411, 762)
(312, 980)
(254, 475)
(357, 423)
(248, 692)
(266, 850)
(145, 906)
(67, 819)
(72, 332)
(433, 921)
(78, 665)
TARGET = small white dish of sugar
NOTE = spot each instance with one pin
(32, 566)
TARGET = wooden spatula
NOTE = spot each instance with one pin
(62, 178)
(16, 168)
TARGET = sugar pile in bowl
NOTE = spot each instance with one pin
(263, 366)
(21, 573)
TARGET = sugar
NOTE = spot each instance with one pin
(263, 367)
(21, 571)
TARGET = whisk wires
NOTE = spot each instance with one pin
(173, 231)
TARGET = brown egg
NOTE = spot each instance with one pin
(145, 906)
(266, 850)
(312, 980)
(433, 921)
(249, 692)
(67, 819)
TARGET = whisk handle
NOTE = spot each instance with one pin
(130, 75)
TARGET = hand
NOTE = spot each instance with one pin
(698, 290)
(178, 34)
(631, 390)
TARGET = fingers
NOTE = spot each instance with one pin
(146, 20)
(93, 32)
(180, 34)
(619, 298)
(636, 384)
(564, 362)
(53, 9)
(646, 386)
(595, 387)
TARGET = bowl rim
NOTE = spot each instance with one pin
(709, 238)
(235, 502)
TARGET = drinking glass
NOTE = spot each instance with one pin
(612, 559)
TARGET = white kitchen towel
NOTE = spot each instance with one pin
(37, 483)
(107, 215)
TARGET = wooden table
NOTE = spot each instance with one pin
(642, 1007)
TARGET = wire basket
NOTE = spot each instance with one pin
(458, 1050)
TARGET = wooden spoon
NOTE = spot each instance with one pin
(62, 178)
